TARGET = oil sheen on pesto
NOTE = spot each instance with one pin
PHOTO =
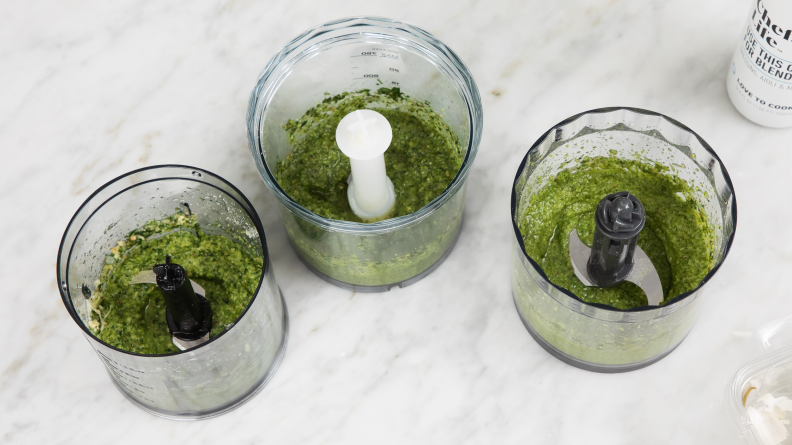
(422, 160)
(131, 317)
(676, 237)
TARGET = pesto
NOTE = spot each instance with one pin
(422, 160)
(677, 237)
(131, 317)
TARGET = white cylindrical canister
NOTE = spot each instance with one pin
(759, 81)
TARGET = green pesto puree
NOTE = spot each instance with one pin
(423, 158)
(131, 317)
(676, 237)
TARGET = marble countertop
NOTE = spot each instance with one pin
(90, 90)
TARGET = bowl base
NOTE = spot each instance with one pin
(582, 364)
(384, 287)
(255, 389)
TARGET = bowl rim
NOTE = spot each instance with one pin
(538, 268)
(311, 41)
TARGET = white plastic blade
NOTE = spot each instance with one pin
(364, 136)
(144, 276)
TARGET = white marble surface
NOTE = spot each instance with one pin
(90, 90)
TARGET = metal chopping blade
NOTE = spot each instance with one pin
(643, 272)
(148, 276)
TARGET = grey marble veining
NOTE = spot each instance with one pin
(90, 90)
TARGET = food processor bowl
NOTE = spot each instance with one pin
(598, 337)
(324, 61)
(214, 377)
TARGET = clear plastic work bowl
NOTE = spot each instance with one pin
(214, 377)
(771, 374)
(598, 337)
(759, 396)
(398, 251)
